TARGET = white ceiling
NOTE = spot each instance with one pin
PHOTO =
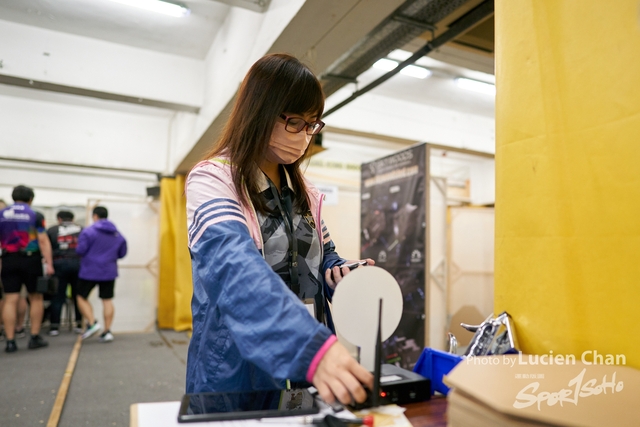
(192, 36)
(189, 36)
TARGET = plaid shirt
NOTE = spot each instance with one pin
(276, 249)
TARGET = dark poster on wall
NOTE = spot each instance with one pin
(393, 225)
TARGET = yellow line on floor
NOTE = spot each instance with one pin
(54, 418)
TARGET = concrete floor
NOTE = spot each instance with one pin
(108, 378)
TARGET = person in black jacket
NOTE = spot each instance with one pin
(64, 239)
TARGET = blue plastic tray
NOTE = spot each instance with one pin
(435, 364)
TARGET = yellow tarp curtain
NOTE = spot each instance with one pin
(568, 174)
(176, 287)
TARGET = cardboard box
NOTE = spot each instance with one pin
(555, 390)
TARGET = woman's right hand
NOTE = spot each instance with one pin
(338, 375)
(334, 275)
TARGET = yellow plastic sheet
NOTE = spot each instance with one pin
(176, 287)
(568, 174)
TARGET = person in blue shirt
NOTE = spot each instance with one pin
(24, 244)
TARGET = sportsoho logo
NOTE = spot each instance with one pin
(576, 388)
(580, 387)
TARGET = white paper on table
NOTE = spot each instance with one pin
(165, 414)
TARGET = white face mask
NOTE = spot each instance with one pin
(286, 147)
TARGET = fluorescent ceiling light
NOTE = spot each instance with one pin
(402, 55)
(410, 70)
(385, 64)
(166, 8)
(476, 86)
(399, 54)
(417, 72)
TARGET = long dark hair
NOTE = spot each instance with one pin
(275, 84)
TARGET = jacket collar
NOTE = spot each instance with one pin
(263, 183)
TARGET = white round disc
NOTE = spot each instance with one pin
(355, 305)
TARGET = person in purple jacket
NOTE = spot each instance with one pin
(100, 246)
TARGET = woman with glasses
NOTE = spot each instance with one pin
(263, 262)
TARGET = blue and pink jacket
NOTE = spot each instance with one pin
(250, 331)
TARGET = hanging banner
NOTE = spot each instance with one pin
(393, 234)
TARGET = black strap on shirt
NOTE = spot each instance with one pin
(287, 215)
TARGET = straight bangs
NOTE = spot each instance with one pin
(305, 95)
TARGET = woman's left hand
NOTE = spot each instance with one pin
(334, 275)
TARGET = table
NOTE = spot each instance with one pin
(432, 413)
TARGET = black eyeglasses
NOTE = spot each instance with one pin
(296, 124)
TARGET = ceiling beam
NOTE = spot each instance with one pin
(67, 165)
(53, 87)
